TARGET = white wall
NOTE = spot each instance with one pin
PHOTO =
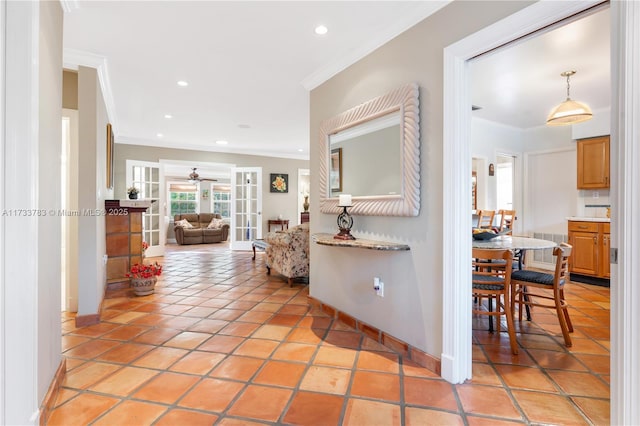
(488, 139)
(30, 180)
(548, 172)
(343, 277)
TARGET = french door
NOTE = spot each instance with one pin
(148, 178)
(246, 206)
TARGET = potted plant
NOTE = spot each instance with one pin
(143, 277)
(133, 193)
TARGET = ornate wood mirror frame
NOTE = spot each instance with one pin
(406, 100)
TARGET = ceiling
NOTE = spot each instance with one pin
(519, 84)
(250, 66)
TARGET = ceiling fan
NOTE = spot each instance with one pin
(194, 177)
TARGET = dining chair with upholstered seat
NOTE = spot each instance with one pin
(549, 290)
(507, 217)
(491, 279)
(485, 218)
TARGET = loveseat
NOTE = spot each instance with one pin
(288, 252)
(202, 229)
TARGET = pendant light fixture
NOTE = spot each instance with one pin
(569, 111)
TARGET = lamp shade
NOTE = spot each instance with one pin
(569, 112)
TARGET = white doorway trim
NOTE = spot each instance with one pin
(456, 345)
(625, 298)
(625, 220)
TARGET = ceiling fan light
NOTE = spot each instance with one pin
(569, 112)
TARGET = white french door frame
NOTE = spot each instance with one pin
(252, 192)
(625, 185)
(154, 249)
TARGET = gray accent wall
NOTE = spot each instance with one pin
(343, 277)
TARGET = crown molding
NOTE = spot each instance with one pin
(341, 63)
(73, 58)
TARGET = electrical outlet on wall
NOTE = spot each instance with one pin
(378, 287)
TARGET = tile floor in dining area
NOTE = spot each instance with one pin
(220, 342)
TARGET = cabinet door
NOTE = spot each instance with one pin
(593, 163)
(605, 266)
(584, 257)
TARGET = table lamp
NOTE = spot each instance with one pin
(345, 221)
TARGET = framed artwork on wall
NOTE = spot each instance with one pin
(279, 182)
(110, 146)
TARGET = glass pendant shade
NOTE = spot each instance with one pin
(569, 111)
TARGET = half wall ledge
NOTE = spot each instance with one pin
(328, 240)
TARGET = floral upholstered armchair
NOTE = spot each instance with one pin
(288, 252)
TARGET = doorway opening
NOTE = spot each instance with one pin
(457, 350)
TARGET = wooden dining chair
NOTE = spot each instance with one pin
(492, 280)
(507, 217)
(549, 290)
(485, 218)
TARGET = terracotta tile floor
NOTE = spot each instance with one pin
(220, 342)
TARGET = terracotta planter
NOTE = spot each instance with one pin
(143, 286)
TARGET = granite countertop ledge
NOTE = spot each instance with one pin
(328, 240)
(588, 219)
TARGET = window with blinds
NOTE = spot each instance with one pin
(222, 200)
(184, 199)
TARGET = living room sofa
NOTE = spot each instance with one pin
(288, 252)
(199, 233)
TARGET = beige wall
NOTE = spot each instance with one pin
(92, 191)
(70, 89)
(273, 204)
(49, 239)
(343, 277)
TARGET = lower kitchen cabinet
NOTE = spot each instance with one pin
(590, 255)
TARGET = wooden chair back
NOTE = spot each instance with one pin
(507, 217)
(524, 281)
(491, 279)
(485, 218)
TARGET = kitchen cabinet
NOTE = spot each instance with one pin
(590, 255)
(593, 163)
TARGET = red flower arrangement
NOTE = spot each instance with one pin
(145, 246)
(141, 270)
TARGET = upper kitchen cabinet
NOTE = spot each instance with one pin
(593, 163)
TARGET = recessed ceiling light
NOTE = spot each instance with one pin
(182, 83)
(159, 135)
(168, 116)
(321, 30)
(300, 150)
(222, 142)
(244, 126)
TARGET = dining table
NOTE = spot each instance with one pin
(513, 242)
(518, 245)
